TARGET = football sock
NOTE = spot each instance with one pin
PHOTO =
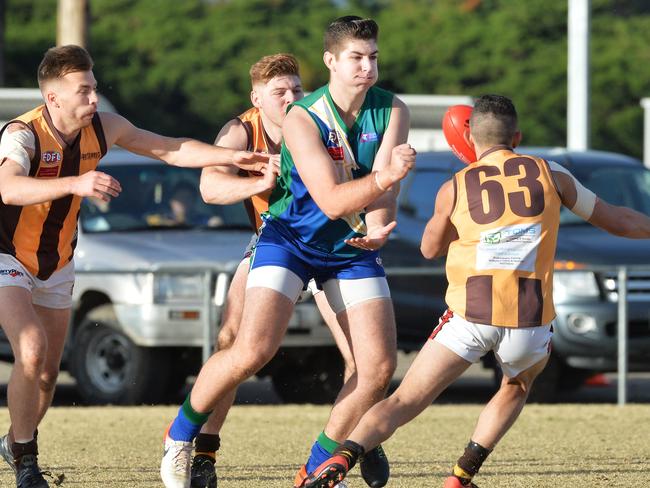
(351, 451)
(321, 451)
(11, 438)
(187, 423)
(207, 445)
(20, 449)
(470, 462)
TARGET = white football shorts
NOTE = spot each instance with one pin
(516, 349)
(54, 292)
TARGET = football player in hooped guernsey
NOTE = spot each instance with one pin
(48, 158)
(497, 220)
(343, 155)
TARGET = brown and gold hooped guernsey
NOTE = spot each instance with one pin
(43, 236)
(258, 141)
(500, 270)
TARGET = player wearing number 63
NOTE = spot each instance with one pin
(497, 220)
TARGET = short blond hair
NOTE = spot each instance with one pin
(59, 61)
(269, 67)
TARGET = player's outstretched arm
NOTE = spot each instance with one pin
(439, 231)
(316, 168)
(619, 221)
(175, 151)
(17, 188)
(222, 185)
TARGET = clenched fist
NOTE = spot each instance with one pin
(402, 160)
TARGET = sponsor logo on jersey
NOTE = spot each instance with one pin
(334, 146)
(48, 172)
(369, 137)
(336, 153)
(51, 157)
(379, 261)
(91, 155)
(11, 272)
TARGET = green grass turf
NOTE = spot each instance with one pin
(262, 446)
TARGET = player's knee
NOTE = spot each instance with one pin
(518, 386)
(251, 360)
(31, 357)
(48, 379)
(384, 373)
(349, 369)
(250, 365)
(378, 377)
(226, 338)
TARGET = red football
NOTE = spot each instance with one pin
(455, 123)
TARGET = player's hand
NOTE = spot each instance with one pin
(402, 160)
(274, 160)
(375, 238)
(95, 184)
(270, 173)
(250, 161)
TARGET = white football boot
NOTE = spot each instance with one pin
(176, 464)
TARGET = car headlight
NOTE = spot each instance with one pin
(581, 284)
(177, 288)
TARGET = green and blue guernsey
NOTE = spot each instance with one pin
(353, 151)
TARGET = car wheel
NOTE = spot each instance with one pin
(110, 368)
(313, 378)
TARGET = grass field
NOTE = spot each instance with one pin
(262, 446)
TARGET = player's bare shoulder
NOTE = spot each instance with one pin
(114, 126)
(400, 105)
(17, 145)
(446, 197)
(233, 135)
(297, 123)
(400, 116)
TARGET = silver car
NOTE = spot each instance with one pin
(140, 295)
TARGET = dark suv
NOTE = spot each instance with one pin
(585, 297)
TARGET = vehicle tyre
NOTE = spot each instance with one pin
(111, 369)
(313, 378)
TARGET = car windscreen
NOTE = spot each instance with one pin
(158, 196)
(421, 190)
(628, 186)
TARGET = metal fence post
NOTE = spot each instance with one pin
(220, 294)
(207, 323)
(622, 335)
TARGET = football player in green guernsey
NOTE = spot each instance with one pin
(343, 156)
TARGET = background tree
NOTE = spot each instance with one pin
(181, 68)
